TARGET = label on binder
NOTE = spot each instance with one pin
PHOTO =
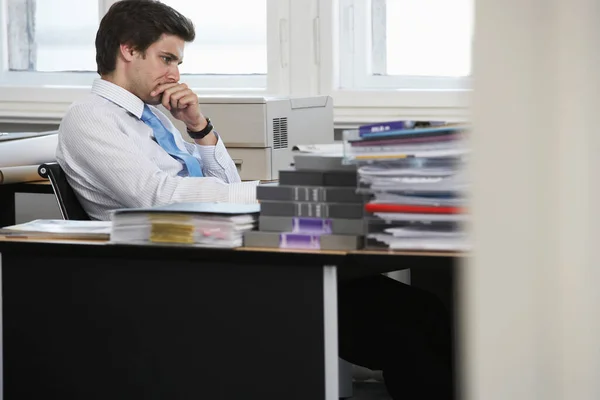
(311, 225)
(301, 241)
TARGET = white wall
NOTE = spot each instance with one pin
(531, 298)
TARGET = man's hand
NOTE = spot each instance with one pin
(183, 104)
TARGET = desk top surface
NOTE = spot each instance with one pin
(365, 252)
(22, 243)
(350, 264)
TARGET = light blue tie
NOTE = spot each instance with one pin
(166, 140)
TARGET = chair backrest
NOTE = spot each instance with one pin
(68, 203)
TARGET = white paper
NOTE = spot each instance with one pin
(412, 233)
(390, 197)
(416, 148)
(328, 148)
(452, 183)
(420, 243)
(384, 171)
(60, 229)
(60, 226)
(37, 150)
(26, 173)
(422, 217)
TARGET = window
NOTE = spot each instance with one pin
(60, 46)
(226, 42)
(230, 49)
(378, 59)
(410, 44)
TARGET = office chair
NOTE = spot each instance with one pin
(68, 203)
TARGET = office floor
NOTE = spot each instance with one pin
(370, 391)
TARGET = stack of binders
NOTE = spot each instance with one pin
(415, 181)
(313, 207)
(197, 224)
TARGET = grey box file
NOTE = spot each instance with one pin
(317, 178)
(309, 193)
(302, 241)
(306, 209)
(286, 224)
(321, 162)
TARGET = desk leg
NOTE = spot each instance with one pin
(330, 332)
(7, 206)
(1, 337)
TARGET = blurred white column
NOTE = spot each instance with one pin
(21, 31)
(531, 304)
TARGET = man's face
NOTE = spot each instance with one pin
(159, 65)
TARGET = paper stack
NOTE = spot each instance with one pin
(313, 207)
(198, 224)
(416, 182)
(59, 229)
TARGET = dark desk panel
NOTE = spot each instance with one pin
(101, 249)
(97, 321)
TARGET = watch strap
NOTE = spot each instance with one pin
(201, 134)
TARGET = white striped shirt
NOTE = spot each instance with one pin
(112, 161)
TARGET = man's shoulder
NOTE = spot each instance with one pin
(91, 106)
(88, 116)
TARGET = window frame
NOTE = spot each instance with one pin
(303, 60)
(251, 83)
(417, 98)
(363, 58)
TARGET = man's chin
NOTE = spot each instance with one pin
(153, 101)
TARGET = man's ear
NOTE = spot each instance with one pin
(128, 52)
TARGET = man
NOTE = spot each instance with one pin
(112, 144)
(118, 151)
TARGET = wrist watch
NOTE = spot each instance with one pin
(201, 134)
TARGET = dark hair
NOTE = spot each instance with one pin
(138, 23)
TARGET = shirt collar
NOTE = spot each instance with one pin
(120, 96)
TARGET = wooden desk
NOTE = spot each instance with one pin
(7, 198)
(87, 320)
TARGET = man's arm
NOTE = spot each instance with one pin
(94, 144)
(183, 105)
(216, 161)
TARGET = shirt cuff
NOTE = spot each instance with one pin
(243, 192)
(214, 157)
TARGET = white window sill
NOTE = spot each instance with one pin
(354, 107)
(48, 104)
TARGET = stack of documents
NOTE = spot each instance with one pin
(313, 207)
(59, 229)
(415, 181)
(199, 224)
